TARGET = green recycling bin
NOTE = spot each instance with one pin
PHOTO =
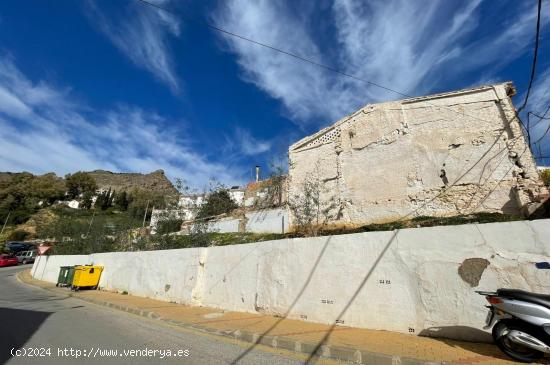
(66, 274)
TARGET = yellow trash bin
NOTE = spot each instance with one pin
(86, 276)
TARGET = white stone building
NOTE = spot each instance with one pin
(446, 154)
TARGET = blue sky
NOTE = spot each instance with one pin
(121, 86)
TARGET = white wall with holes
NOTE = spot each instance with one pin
(419, 281)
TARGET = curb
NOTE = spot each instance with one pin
(325, 351)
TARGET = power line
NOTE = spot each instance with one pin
(216, 28)
(315, 63)
(307, 60)
(544, 134)
(535, 54)
(342, 73)
(541, 118)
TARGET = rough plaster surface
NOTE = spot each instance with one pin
(445, 154)
(42, 268)
(262, 221)
(406, 280)
(224, 225)
(267, 221)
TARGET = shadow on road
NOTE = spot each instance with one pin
(18, 326)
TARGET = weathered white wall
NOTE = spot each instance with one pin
(224, 225)
(47, 267)
(263, 221)
(397, 281)
(267, 221)
(386, 160)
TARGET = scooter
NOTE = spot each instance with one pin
(520, 321)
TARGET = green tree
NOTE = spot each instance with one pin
(141, 200)
(22, 194)
(169, 226)
(121, 201)
(99, 200)
(79, 183)
(103, 200)
(18, 235)
(217, 202)
(87, 200)
(46, 188)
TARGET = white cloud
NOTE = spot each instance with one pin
(249, 145)
(265, 68)
(142, 35)
(65, 137)
(405, 45)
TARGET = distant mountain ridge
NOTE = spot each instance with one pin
(127, 181)
(119, 181)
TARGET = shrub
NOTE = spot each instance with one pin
(18, 235)
(218, 202)
(169, 226)
(545, 176)
(79, 183)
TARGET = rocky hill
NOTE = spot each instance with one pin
(5, 177)
(154, 181)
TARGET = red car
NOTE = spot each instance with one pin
(8, 261)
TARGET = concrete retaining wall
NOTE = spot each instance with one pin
(268, 221)
(418, 281)
(47, 267)
(224, 225)
(263, 221)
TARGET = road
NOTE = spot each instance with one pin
(40, 320)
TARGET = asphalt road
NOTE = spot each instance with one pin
(48, 325)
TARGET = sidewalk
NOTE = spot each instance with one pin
(344, 343)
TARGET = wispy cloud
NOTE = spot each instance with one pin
(248, 144)
(409, 46)
(142, 34)
(297, 85)
(40, 131)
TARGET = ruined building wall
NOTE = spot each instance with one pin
(445, 154)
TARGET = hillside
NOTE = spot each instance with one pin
(5, 177)
(155, 181)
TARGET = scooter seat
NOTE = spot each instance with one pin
(541, 299)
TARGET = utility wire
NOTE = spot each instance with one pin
(545, 133)
(216, 28)
(535, 54)
(335, 70)
(541, 118)
(307, 60)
